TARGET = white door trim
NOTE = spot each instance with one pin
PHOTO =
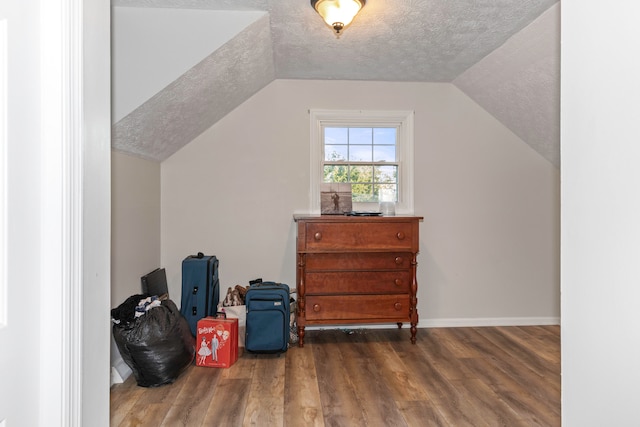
(62, 184)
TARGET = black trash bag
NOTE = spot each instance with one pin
(158, 345)
(124, 314)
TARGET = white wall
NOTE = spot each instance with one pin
(135, 233)
(600, 215)
(135, 222)
(490, 239)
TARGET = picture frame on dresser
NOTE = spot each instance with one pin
(335, 198)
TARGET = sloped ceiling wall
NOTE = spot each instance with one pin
(200, 97)
(152, 47)
(504, 55)
(519, 84)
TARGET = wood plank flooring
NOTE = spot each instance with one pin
(494, 376)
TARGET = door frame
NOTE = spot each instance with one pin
(76, 162)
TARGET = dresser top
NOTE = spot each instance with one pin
(358, 218)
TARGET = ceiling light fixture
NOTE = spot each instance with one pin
(338, 13)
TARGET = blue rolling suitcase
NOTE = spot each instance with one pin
(200, 288)
(268, 316)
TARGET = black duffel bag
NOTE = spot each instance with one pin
(157, 346)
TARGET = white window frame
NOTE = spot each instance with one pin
(403, 120)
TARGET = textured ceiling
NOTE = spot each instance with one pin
(471, 43)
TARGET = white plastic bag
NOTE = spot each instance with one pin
(236, 312)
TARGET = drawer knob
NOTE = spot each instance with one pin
(398, 282)
(399, 260)
(316, 307)
(397, 306)
(317, 236)
(400, 235)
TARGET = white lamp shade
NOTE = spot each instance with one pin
(338, 11)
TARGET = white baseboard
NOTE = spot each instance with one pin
(456, 323)
(120, 371)
(488, 321)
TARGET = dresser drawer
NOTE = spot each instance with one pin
(355, 235)
(357, 307)
(358, 261)
(358, 282)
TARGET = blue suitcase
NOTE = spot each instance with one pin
(268, 315)
(200, 288)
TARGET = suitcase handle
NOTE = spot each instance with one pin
(258, 284)
(194, 310)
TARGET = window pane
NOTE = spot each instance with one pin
(384, 153)
(387, 192)
(361, 174)
(384, 136)
(336, 173)
(362, 193)
(360, 136)
(386, 173)
(334, 153)
(336, 135)
(360, 153)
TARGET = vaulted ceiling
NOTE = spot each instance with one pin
(504, 54)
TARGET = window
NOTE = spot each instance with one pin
(371, 150)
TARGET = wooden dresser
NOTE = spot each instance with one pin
(356, 269)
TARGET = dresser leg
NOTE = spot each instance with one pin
(300, 336)
(414, 329)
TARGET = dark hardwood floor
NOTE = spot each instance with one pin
(493, 376)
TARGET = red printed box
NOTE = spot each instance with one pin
(217, 342)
